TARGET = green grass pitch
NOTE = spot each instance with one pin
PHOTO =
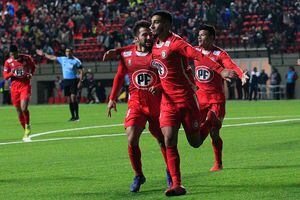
(261, 160)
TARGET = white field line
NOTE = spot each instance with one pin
(114, 125)
(122, 134)
(74, 129)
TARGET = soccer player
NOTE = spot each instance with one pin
(211, 95)
(179, 101)
(144, 100)
(20, 68)
(72, 81)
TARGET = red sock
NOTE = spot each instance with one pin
(174, 165)
(22, 120)
(134, 153)
(26, 117)
(218, 146)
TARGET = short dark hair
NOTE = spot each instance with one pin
(166, 15)
(211, 30)
(140, 24)
(13, 48)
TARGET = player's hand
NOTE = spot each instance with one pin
(244, 78)
(111, 105)
(110, 55)
(39, 52)
(228, 74)
(29, 75)
(153, 90)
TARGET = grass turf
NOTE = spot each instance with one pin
(260, 161)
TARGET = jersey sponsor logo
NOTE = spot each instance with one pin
(127, 53)
(204, 74)
(19, 72)
(143, 79)
(161, 68)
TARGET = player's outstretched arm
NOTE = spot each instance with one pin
(111, 105)
(41, 53)
(110, 55)
(228, 74)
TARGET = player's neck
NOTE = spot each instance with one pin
(141, 48)
(208, 47)
(164, 36)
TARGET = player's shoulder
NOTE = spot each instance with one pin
(218, 51)
(127, 51)
(9, 60)
(198, 48)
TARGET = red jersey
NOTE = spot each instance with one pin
(171, 60)
(209, 82)
(18, 69)
(141, 74)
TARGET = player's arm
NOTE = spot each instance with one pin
(114, 54)
(32, 67)
(41, 53)
(80, 71)
(7, 73)
(228, 63)
(185, 49)
(117, 85)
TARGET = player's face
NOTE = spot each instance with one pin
(157, 25)
(144, 38)
(204, 39)
(68, 52)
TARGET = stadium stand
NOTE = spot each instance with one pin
(92, 27)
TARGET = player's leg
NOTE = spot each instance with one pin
(135, 123)
(170, 123)
(16, 101)
(217, 142)
(196, 132)
(157, 133)
(25, 93)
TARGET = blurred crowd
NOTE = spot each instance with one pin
(54, 24)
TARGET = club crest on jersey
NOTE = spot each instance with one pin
(204, 74)
(161, 68)
(143, 79)
(163, 54)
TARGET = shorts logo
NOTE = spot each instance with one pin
(143, 79)
(204, 74)
(161, 68)
(195, 124)
(164, 54)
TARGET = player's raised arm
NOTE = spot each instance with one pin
(41, 53)
(189, 51)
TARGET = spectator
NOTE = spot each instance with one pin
(246, 88)
(5, 90)
(101, 93)
(262, 81)
(253, 84)
(275, 84)
(291, 78)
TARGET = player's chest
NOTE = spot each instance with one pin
(135, 63)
